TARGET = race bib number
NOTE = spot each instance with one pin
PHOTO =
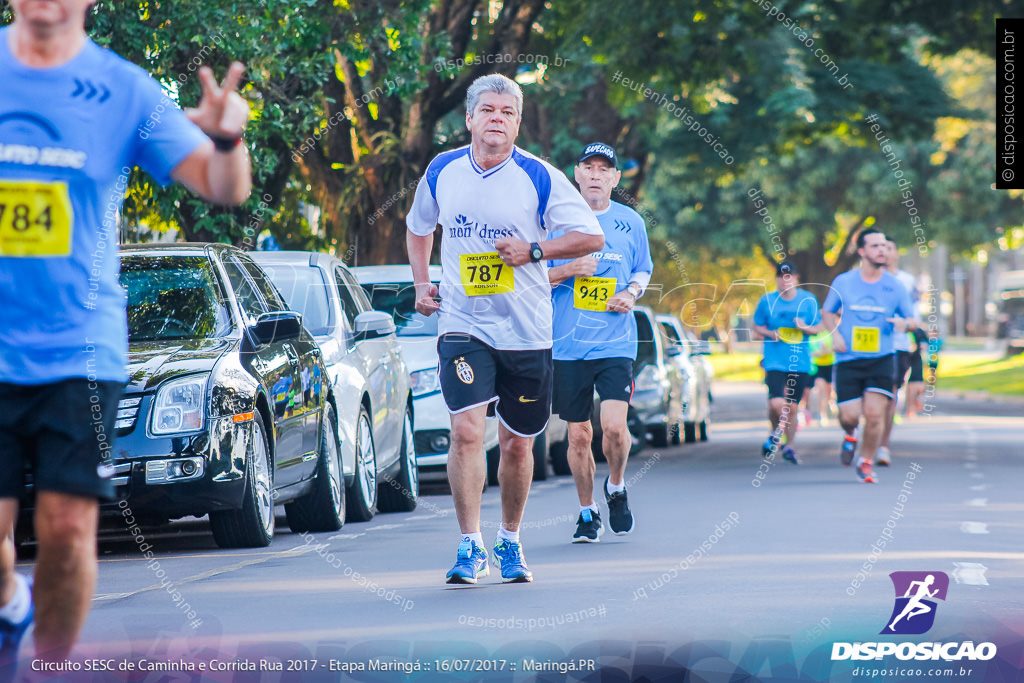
(790, 335)
(35, 218)
(865, 340)
(483, 274)
(591, 293)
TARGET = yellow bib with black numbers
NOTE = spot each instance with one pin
(36, 218)
(790, 335)
(486, 273)
(865, 340)
(592, 293)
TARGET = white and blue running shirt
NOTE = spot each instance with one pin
(522, 197)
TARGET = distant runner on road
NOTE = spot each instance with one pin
(874, 307)
(786, 319)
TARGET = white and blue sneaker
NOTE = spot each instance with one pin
(11, 634)
(508, 557)
(470, 565)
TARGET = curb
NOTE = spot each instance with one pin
(984, 396)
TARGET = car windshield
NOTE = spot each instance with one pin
(304, 289)
(399, 299)
(173, 298)
(646, 351)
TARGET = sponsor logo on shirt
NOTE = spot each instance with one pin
(607, 256)
(29, 155)
(465, 228)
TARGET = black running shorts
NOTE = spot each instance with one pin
(63, 431)
(787, 385)
(854, 377)
(576, 380)
(916, 368)
(901, 367)
(474, 374)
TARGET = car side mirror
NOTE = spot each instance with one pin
(373, 325)
(277, 326)
(674, 351)
(701, 348)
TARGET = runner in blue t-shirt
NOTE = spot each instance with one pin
(786, 319)
(74, 119)
(875, 307)
(595, 340)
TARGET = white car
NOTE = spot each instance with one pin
(696, 370)
(365, 366)
(390, 289)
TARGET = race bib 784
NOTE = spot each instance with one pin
(36, 218)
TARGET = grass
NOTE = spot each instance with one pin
(958, 371)
(976, 372)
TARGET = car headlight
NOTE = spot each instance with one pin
(648, 379)
(425, 382)
(180, 406)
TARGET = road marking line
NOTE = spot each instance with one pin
(974, 527)
(971, 465)
(977, 502)
(970, 573)
(978, 487)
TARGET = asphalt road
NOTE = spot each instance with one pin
(726, 575)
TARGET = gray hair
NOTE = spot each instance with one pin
(496, 83)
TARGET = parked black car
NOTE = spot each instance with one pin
(215, 419)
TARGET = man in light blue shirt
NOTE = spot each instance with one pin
(786, 319)
(595, 340)
(64, 162)
(875, 307)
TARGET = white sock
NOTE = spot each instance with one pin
(615, 488)
(16, 610)
(476, 537)
(506, 535)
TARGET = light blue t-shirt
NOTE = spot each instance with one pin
(581, 334)
(792, 353)
(865, 308)
(69, 136)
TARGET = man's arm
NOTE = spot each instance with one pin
(419, 258)
(220, 177)
(516, 252)
(584, 266)
(831, 322)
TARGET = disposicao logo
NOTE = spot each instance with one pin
(914, 614)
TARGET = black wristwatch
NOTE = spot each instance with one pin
(536, 253)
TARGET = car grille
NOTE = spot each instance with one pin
(127, 413)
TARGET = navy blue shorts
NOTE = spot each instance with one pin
(474, 374)
(576, 380)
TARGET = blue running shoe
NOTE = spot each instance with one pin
(470, 565)
(848, 449)
(789, 455)
(769, 446)
(508, 557)
(11, 635)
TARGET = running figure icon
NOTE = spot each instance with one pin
(915, 607)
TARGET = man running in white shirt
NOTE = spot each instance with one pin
(494, 204)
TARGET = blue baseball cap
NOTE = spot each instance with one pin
(599, 149)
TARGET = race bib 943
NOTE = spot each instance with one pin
(35, 218)
(485, 274)
(592, 293)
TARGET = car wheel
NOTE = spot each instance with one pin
(560, 457)
(690, 432)
(703, 430)
(659, 435)
(251, 526)
(493, 460)
(401, 494)
(362, 495)
(540, 457)
(323, 508)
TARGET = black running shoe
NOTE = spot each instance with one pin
(620, 519)
(588, 527)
